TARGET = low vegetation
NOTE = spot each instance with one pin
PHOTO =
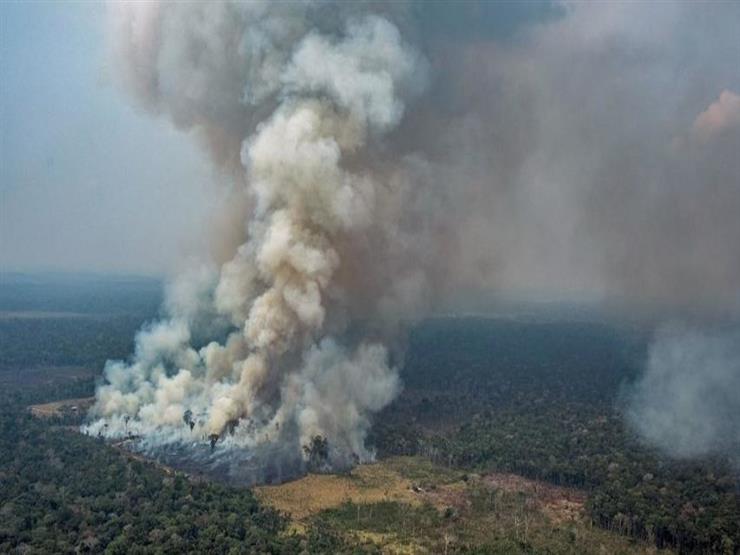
(409, 505)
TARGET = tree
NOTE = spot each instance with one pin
(317, 453)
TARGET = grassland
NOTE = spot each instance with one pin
(408, 505)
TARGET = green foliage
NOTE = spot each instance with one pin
(86, 341)
(317, 452)
(542, 400)
(79, 293)
(484, 521)
(71, 320)
(384, 517)
(62, 492)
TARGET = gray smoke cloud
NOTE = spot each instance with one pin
(578, 156)
(687, 402)
(598, 151)
(290, 109)
(592, 150)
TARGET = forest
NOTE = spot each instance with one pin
(64, 492)
(545, 400)
(55, 320)
(539, 398)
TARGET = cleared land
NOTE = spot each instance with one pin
(416, 482)
(368, 483)
(408, 505)
(60, 408)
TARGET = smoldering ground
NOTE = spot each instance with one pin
(381, 165)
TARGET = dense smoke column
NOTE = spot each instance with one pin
(585, 153)
(322, 248)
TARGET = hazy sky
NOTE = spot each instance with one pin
(566, 146)
(83, 176)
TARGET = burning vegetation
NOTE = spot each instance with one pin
(283, 348)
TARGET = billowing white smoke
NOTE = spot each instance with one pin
(688, 401)
(280, 359)
(563, 159)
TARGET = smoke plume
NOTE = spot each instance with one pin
(261, 346)
(687, 401)
(384, 163)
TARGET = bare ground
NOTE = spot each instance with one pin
(56, 408)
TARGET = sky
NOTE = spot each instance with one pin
(564, 146)
(84, 176)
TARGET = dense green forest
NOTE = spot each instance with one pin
(541, 399)
(79, 293)
(84, 341)
(64, 492)
(71, 320)
(544, 401)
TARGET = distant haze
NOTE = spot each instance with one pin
(559, 148)
(84, 177)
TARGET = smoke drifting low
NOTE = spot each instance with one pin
(687, 402)
(382, 166)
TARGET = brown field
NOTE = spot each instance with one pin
(367, 483)
(56, 408)
(413, 481)
(519, 509)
